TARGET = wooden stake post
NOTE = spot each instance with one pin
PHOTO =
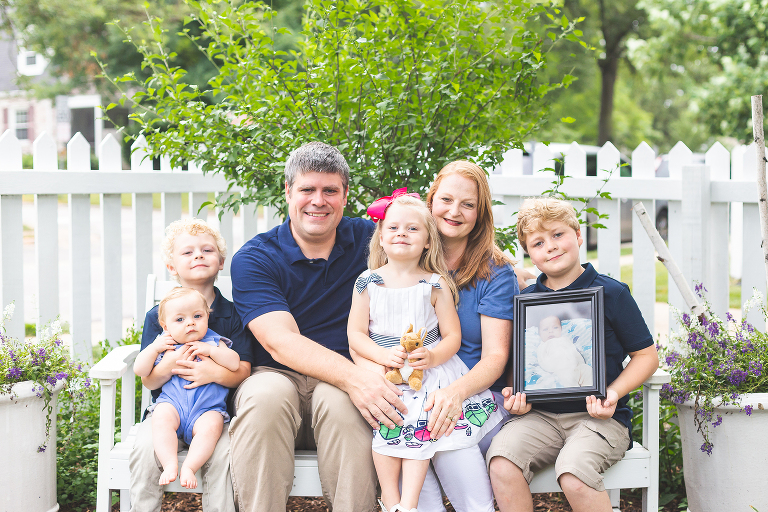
(757, 132)
(665, 257)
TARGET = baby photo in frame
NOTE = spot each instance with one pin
(558, 345)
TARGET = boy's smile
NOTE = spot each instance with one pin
(195, 258)
(554, 249)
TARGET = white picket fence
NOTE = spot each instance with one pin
(709, 206)
(46, 182)
(701, 199)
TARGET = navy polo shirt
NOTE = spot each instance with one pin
(223, 320)
(270, 273)
(625, 331)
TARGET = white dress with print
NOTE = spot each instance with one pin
(391, 311)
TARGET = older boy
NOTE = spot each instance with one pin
(581, 439)
(194, 254)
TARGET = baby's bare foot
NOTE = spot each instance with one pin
(188, 479)
(168, 475)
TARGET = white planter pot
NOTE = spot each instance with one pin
(735, 476)
(28, 478)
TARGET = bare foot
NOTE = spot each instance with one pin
(188, 479)
(168, 475)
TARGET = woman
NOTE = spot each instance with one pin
(460, 201)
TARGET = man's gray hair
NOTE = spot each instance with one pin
(316, 157)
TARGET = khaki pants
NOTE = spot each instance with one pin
(147, 495)
(278, 411)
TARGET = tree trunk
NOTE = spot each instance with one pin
(609, 67)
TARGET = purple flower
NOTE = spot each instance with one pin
(13, 355)
(699, 287)
(707, 448)
(40, 449)
(686, 319)
(87, 382)
(672, 358)
(748, 410)
(61, 376)
(738, 377)
(14, 373)
(756, 368)
(729, 316)
(718, 422)
(51, 380)
(58, 342)
(714, 330)
(692, 370)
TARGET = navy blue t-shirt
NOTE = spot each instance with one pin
(270, 273)
(624, 328)
(223, 320)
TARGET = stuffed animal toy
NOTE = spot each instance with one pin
(410, 341)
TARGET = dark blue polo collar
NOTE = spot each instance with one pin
(583, 281)
(220, 305)
(345, 237)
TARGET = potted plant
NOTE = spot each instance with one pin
(32, 373)
(719, 383)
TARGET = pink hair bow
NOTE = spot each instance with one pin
(379, 207)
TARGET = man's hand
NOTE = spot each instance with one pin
(377, 399)
(515, 402)
(197, 373)
(602, 409)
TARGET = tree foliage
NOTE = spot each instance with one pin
(400, 87)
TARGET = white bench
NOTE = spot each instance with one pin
(638, 468)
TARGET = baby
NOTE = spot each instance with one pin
(557, 355)
(196, 415)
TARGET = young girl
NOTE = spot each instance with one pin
(196, 415)
(407, 284)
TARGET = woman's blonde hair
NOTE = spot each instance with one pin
(175, 293)
(481, 251)
(432, 259)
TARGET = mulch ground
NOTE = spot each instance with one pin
(550, 502)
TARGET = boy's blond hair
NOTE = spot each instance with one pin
(537, 211)
(194, 227)
(175, 293)
(432, 259)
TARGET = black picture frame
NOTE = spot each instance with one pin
(578, 312)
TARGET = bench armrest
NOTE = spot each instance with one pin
(116, 363)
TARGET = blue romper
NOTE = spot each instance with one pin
(192, 403)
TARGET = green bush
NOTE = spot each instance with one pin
(401, 87)
(78, 443)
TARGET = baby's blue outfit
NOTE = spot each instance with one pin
(192, 403)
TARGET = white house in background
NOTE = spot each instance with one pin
(28, 116)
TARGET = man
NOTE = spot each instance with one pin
(292, 287)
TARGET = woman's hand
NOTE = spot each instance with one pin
(395, 357)
(515, 402)
(445, 404)
(421, 359)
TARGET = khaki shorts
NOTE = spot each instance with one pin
(575, 442)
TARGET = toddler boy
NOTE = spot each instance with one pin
(193, 253)
(582, 439)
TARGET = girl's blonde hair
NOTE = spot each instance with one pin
(432, 259)
(175, 293)
(481, 251)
